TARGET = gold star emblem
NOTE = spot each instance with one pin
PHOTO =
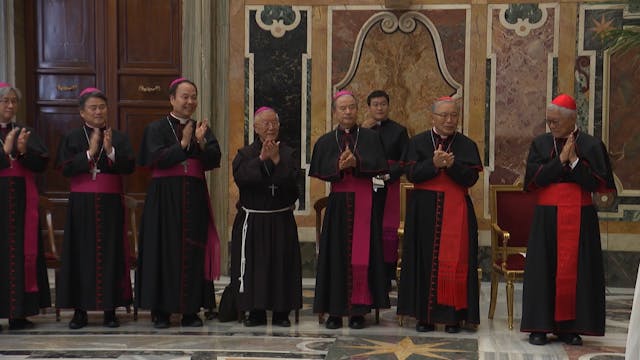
(404, 348)
(601, 27)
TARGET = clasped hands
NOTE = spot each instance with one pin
(568, 153)
(201, 128)
(20, 143)
(270, 150)
(442, 159)
(347, 159)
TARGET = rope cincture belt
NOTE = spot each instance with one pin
(245, 226)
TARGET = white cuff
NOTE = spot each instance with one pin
(573, 164)
(112, 156)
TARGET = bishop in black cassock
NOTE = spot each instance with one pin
(563, 288)
(265, 254)
(179, 246)
(350, 277)
(95, 271)
(24, 285)
(438, 280)
(387, 197)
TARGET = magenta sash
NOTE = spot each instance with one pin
(108, 184)
(391, 221)
(104, 183)
(30, 229)
(212, 254)
(360, 236)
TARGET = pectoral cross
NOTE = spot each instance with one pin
(185, 165)
(273, 188)
(94, 171)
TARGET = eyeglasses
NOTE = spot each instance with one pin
(552, 122)
(453, 115)
(13, 101)
(268, 124)
(93, 108)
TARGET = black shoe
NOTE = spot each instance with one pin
(20, 324)
(79, 320)
(161, 319)
(256, 318)
(280, 318)
(570, 339)
(424, 327)
(110, 319)
(452, 329)
(356, 322)
(191, 320)
(333, 322)
(538, 338)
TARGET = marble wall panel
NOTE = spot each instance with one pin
(415, 56)
(277, 74)
(521, 45)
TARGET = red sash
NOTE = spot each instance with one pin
(104, 183)
(108, 184)
(391, 221)
(453, 255)
(568, 198)
(361, 235)
(30, 229)
(212, 254)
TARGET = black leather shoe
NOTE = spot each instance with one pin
(570, 339)
(79, 320)
(424, 327)
(161, 320)
(110, 319)
(191, 320)
(280, 318)
(256, 318)
(20, 324)
(452, 329)
(356, 322)
(333, 322)
(537, 338)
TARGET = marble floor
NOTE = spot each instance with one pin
(307, 339)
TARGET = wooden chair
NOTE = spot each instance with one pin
(405, 191)
(131, 204)
(511, 218)
(319, 206)
(52, 259)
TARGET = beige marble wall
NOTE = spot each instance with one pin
(503, 110)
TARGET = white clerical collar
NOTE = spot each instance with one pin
(91, 126)
(183, 121)
(4, 125)
(436, 131)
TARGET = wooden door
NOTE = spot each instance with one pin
(131, 49)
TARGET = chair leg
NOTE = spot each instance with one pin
(128, 307)
(479, 280)
(58, 314)
(400, 320)
(135, 313)
(377, 316)
(494, 294)
(321, 318)
(297, 316)
(510, 303)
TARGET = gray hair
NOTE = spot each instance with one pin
(6, 90)
(564, 112)
(444, 101)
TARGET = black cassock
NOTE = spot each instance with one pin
(173, 230)
(417, 293)
(94, 274)
(16, 300)
(334, 283)
(273, 274)
(394, 139)
(592, 173)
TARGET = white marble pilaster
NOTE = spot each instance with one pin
(7, 42)
(205, 61)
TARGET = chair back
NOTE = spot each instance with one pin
(318, 207)
(131, 205)
(512, 210)
(45, 210)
